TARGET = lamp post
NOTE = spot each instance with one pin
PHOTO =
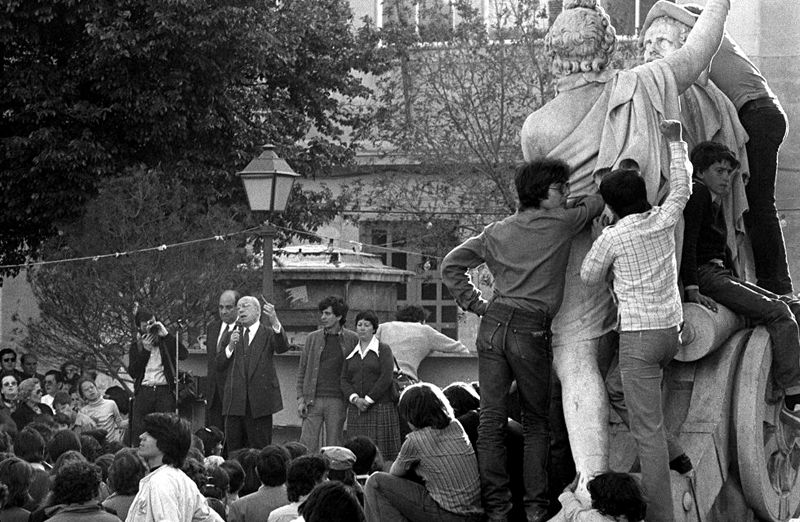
(268, 181)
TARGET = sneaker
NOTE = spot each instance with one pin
(791, 417)
(682, 464)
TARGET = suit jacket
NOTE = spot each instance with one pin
(259, 504)
(252, 375)
(215, 382)
(138, 358)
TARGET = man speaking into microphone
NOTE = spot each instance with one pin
(252, 392)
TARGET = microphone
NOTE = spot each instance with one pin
(240, 327)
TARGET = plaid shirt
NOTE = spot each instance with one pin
(640, 251)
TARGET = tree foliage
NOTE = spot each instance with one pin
(87, 306)
(454, 105)
(189, 88)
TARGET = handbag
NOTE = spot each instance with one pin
(400, 381)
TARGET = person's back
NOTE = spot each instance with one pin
(640, 251)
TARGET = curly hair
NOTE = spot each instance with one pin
(126, 470)
(16, 474)
(581, 39)
(76, 483)
(26, 388)
(616, 494)
(337, 305)
(173, 436)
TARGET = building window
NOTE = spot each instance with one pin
(417, 247)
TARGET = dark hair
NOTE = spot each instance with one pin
(61, 418)
(26, 355)
(210, 437)
(365, 450)
(81, 382)
(90, 448)
(616, 494)
(303, 474)
(625, 192)
(248, 457)
(120, 397)
(235, 473)
(6, 351)
(412, 314)
(337, 305)
(143, 315)
(533, 180)
(629, 164)
(271, 465)
(332, 502)
(423, 405)
(98, 434)
(57, 374)
(17, 475)
(76, 483)
(216, 484)
(707, 153)
(173, 436)
(296, 449)
(195, 470)
(126, 470)
(368, 315)
(104, 463)
(62, 441)
(462, 397)
(29, 445)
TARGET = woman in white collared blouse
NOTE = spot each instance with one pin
(367, 386)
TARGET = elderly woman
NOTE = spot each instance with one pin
(123, 478)
(76, 489)
(16, 474)
(9, 392)
(367, 385)
(29, 403)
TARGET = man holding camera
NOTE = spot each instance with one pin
(152, 365)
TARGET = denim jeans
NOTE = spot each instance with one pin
(513, 344)
(388, 498)
(776, 313)
(643, 354)
(766, 126)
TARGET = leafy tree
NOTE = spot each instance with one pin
(87, 306)
(188, 88)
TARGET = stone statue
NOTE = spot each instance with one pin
(706, 114)
(600, 116)
(764, 120)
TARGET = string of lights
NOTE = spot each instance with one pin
(356, 245)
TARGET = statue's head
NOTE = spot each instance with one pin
(581, 39)
(664, 36)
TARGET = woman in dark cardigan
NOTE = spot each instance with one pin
(367, 386)
(29, 403)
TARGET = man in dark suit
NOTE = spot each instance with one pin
(218, 335)
(152, 364)
(252, 391)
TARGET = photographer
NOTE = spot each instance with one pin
(152, 365)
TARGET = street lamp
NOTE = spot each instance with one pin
(268, 182)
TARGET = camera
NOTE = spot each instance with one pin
(153, 328)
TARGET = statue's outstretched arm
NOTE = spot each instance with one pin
(703, 41)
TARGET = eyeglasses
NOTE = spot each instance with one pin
(5, 359)
(561, 187)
